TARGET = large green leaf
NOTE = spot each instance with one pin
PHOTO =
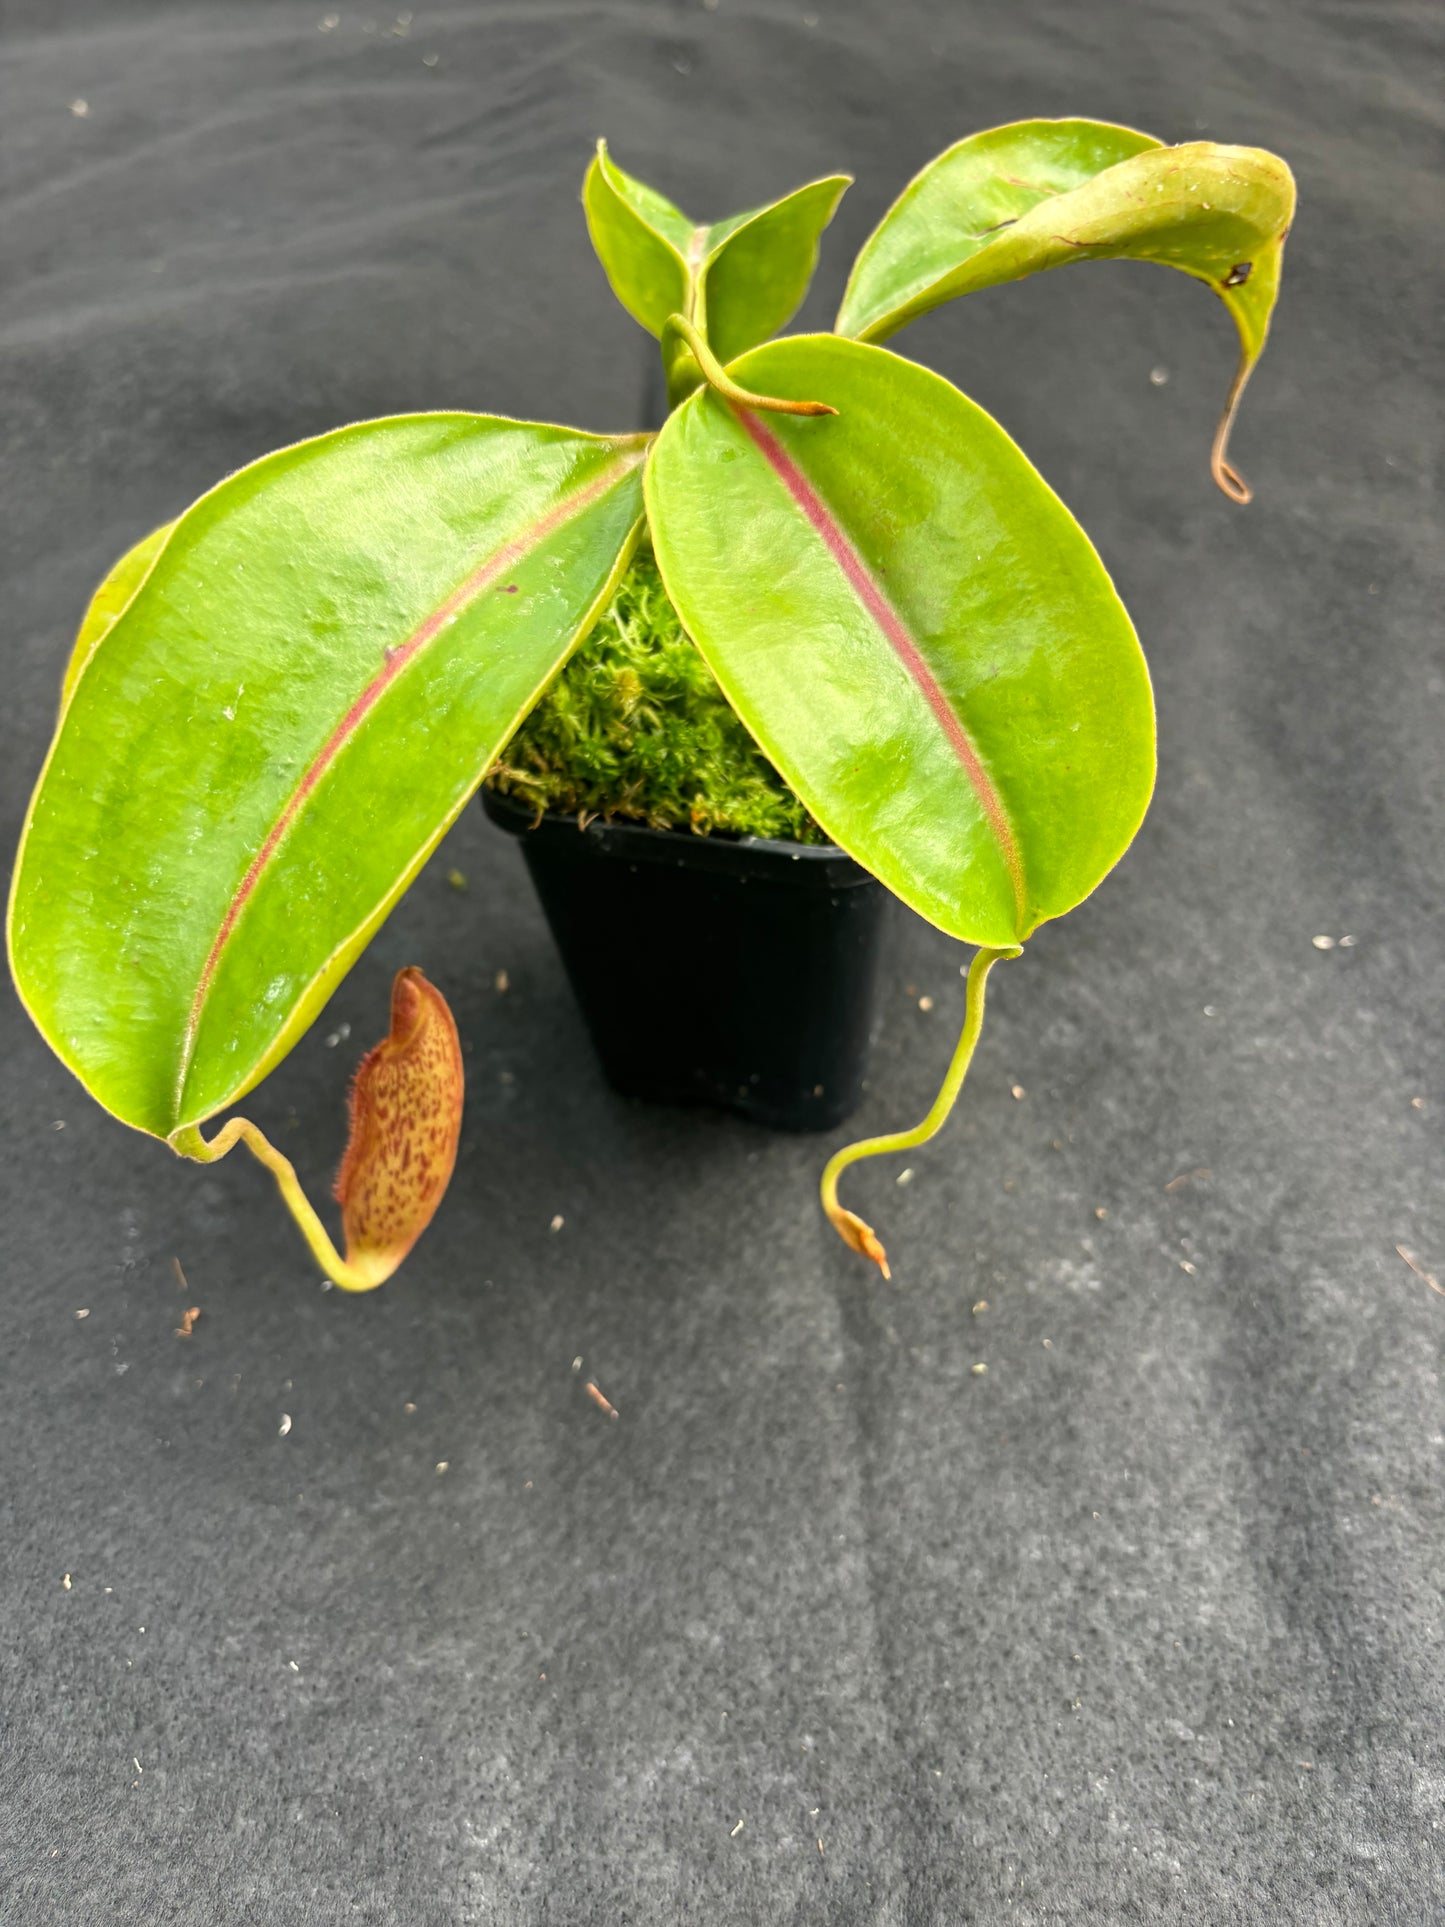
(915, 629)
(740, 280)
(1041, 193)
(307, 684)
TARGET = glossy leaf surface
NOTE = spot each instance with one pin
(740, 280)
(1038, 194)
(327, 652)
(915, 629)
(406, 1118)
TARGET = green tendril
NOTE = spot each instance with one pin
(855, 1234)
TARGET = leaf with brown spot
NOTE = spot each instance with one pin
(1041, 193)
(406, 1117)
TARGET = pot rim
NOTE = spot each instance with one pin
(762, 858)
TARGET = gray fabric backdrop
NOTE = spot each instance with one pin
(1143, 1625)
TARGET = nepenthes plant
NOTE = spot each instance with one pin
(278, 703)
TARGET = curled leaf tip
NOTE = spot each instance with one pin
(860, 1237)
(406, 1117)
(1231, 482)
(1226, 475)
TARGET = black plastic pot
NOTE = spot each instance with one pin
(733, 971)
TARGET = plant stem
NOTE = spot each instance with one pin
(241, 1130)
(714, 375)
(855, 1234)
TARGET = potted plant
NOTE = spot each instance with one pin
(278, 703)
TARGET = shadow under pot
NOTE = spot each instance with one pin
(732, 971)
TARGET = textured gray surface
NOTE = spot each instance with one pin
(1144, 1625)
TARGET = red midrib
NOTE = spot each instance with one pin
(905, 648)
(397, 660)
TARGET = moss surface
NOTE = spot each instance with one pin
(636, 726)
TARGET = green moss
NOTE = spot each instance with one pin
(636, 726)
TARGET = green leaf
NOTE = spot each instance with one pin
(914, 628)
(108, 601)
(646, 246)
(740, 280)
(1038, 194)
(758, 266)
(326, 654)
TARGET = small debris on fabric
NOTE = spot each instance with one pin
(981, 1306)
(820, 1845)
(329, 23)
(338, 1036)
(736, 1831)
(457, 879)
(84, 1312)
(501, 983)
(1101, 1212)
(1210, 1011)
(1419, 1270)
(603, 1404)
(979, 1369)
(1417, 1103)
(1017, 1090)
(558, 1222)
(285, 1426)
(905, 1176)
(65, 1581)
(1158, 376)
(925, 1003)
(444, 1465)
(58, 1125)
(430, 60)
(188, 1321)
(80, 108)
(577, 1363)
(408, 1408)
(1347, 943)
(1184, 1265)
(1201, 1175)
(1323, 943)
(180, 1274)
